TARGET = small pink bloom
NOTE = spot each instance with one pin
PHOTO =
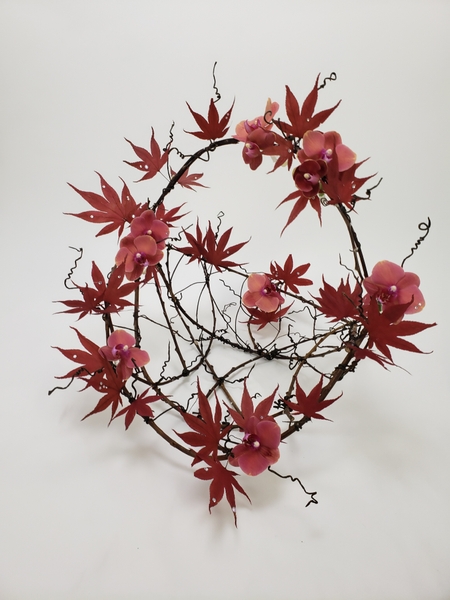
(307, 176)
(261, 293)
(391, 285)
(259, 447)
(244, 128)
(148, 224)
(257, 141)
(138, 253)
(121, 349)
(319, 146)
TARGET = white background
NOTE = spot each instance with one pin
(93, 513)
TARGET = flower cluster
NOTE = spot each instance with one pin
(262, 436)
(144, 246)
(121, 351)
(212, 305)
(257, 135)
(390, 285)
(262, 293)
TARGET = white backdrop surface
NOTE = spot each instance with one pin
(95, 513)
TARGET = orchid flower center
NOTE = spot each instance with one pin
(252, 440)
(311, 178)
(120, 350)
(141, 259)
(388, 294)
(326, 155)
(251, 125)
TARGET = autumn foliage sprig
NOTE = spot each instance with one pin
(193, 287)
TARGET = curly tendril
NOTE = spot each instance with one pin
(422, 227)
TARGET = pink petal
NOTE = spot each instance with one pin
(269, 434)
(256, 282)
(268, 303)
(141, 224)
(253, 462)
(145, 244)
(249, 299)
(408, 279)
(238, 451)
(346, 157)
(120, 336)
(332, 139)
(123, 371)
(135, 272)
(130, 265)
(128, 242)
(121, 256)
(241, 133)
(313, 143)
(386, 273)
(158, 256)
(406, 294)
(274, 456)
(138, 357)
(106, 352)
(160, 231)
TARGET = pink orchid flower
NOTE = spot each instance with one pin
(244, 128)
(307, 176)
(261, 294)
(257, 141)
(259, 447)
(391, 285)
(148, 224)
(138, 253)
(120, 348)
(319, 146)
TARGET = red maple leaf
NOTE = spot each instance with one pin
(114, 291)
(387, 328)
(309, 405)
(281, 148)
(87, 305)
(140, 407)
(304, 120)
(210, 248)
(169, 216)
(105, 297)
(300, 205)
(110, 385)
(207, 430)
(151, 161)
(195, 248)
(361, 353)
(189, 181)
(248, 410)
(90, 360)
(261, 318)
(223, 481)
(341, 187)
(340, 303)
(211, 128)
(287, 275)
(109, 208)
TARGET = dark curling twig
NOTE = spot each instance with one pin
(71, 272)
(423, 227)
(313, 499)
